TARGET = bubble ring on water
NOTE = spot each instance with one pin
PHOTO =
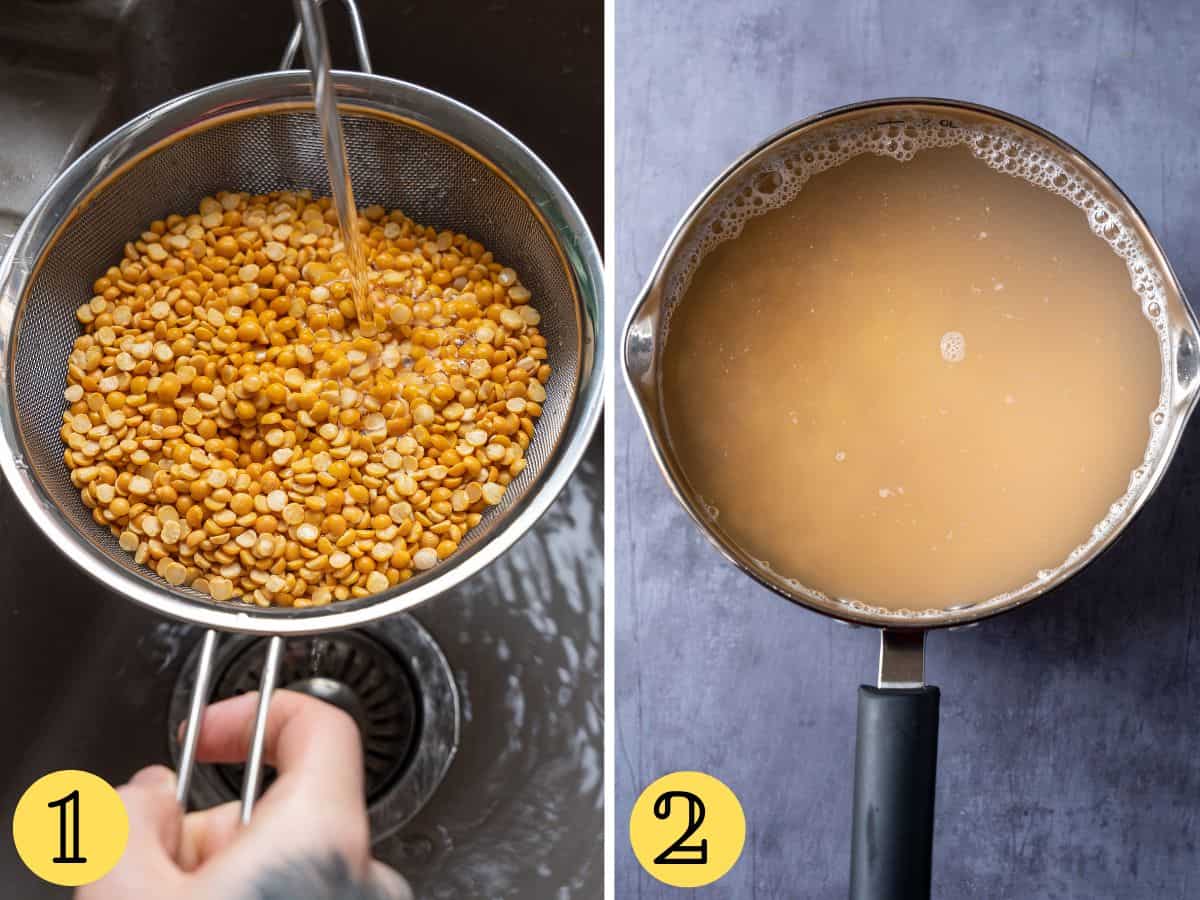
(1006, 147)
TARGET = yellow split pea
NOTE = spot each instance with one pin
(235, 429)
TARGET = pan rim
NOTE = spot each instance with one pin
(635, 343)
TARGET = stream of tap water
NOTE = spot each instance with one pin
(316, 47)
(519, 813)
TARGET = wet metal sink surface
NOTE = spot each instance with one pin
(90, 678)
(89, 675)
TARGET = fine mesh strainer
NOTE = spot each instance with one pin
(410, 148)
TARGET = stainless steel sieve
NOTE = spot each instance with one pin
(443, 163)
(897, 743)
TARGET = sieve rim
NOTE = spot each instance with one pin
(641, 352)
(253, 95)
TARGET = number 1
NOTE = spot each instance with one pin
(72, 800)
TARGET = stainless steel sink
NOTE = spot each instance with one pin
(89, 677)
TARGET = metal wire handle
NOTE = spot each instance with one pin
(356, 29)
(254, 760)
(199, 698)
(200, 690)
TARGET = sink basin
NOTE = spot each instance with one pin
(91, 676)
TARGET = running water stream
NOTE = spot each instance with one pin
(316, 48)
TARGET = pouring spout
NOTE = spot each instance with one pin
(1186, 362)
(638, 347)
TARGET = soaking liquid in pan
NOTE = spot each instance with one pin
(915, 385)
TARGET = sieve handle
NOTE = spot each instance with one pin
(200, 691)
(356, 28)
(254, 761)
(191, 736)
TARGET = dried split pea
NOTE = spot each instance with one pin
(225, 417)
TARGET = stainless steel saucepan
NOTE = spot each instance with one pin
(895, 764)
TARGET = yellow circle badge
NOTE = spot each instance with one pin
(70, 827)
(687, 829)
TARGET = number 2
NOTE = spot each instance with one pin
(680, 853)
(71, 800)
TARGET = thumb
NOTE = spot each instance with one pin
(155, 822)
(388, 882)
(155, 816)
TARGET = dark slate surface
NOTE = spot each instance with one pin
(1069, 756)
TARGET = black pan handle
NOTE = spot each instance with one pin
(895, 769)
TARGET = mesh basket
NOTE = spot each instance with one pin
(440, 163)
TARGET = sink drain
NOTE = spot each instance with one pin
(390, 677)
(353, 671)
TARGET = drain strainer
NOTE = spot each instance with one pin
(390, 676)
(352, 670)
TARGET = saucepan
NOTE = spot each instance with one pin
(896, 754)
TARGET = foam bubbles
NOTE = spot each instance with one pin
(953, 346)
(779, 179)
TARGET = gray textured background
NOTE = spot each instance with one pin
(1070, 755)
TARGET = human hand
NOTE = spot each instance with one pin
(309, 830)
